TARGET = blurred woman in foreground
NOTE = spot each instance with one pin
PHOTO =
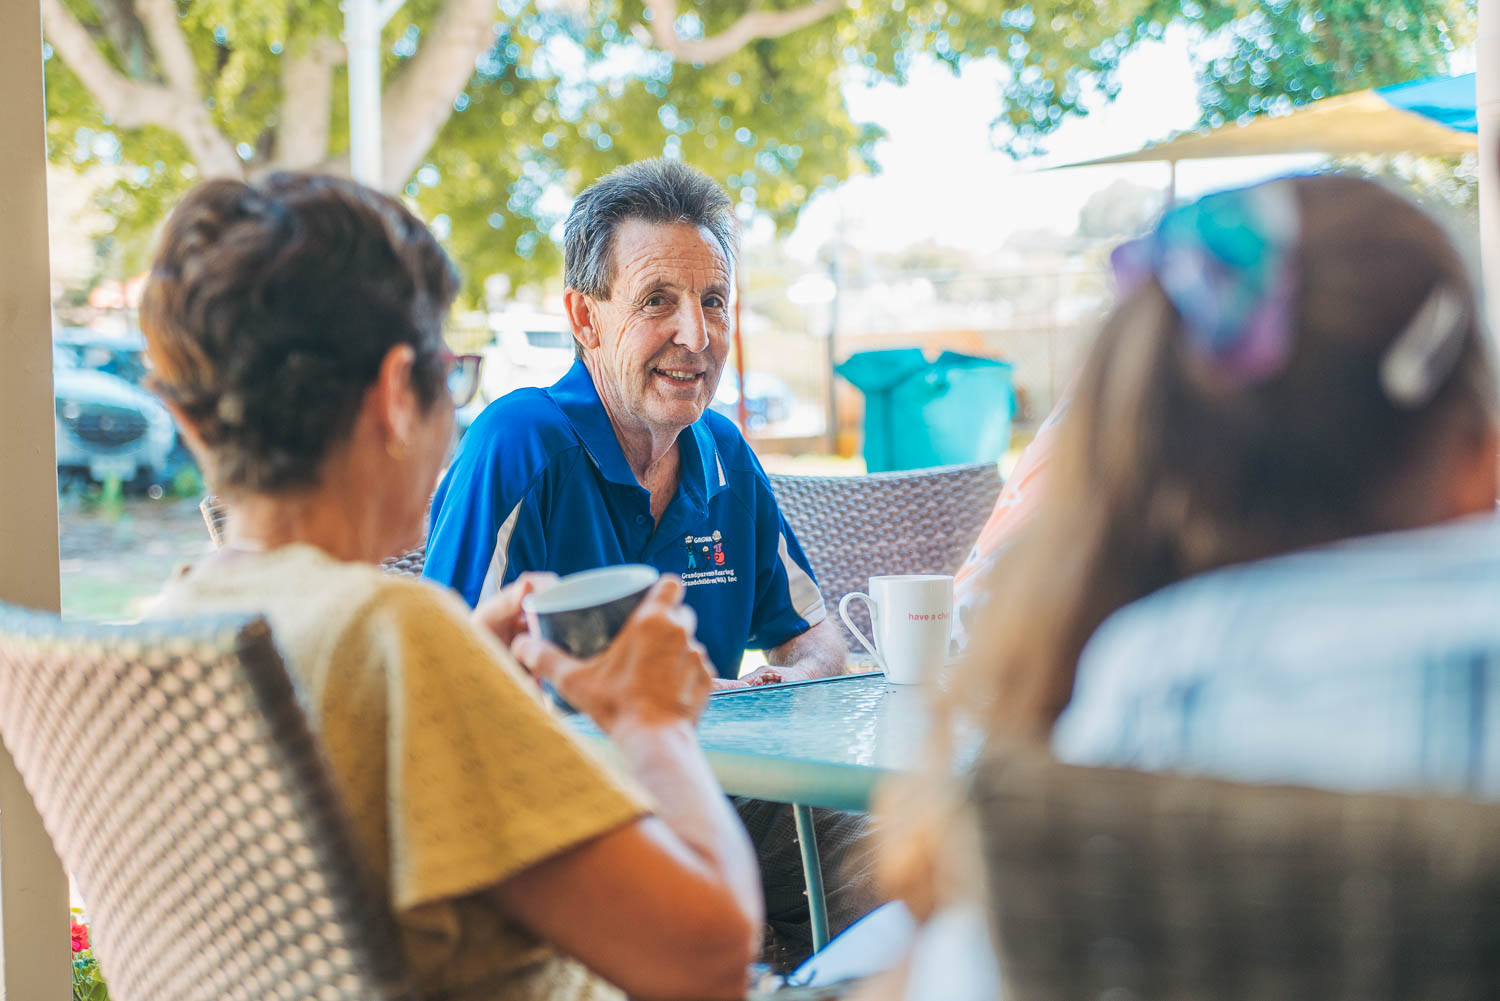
(295, 329)
(1268, 549)
(1286, 437)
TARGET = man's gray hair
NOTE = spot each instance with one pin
(659, 191)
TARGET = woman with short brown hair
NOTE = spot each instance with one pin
(295, 328)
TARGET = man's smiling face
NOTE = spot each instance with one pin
(663, 334)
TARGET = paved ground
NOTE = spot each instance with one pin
(114, 560)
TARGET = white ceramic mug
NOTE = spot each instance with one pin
(911, 616)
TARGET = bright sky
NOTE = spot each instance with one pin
(940, 179)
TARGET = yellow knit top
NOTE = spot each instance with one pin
(454, 772)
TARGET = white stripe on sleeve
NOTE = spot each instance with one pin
(495, 576)
(803, 590)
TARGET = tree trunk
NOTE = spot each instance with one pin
(178, 106)
(306, 104)
(419, 100)
(749, 27)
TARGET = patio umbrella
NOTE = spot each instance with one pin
(1434, 115)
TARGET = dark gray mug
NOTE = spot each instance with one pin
(584, 611)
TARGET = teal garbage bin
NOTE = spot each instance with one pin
(919, 413)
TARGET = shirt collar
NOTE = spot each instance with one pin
(702, 469)
(579, 401)
(577, 397)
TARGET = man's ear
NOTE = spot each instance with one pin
(580, 310)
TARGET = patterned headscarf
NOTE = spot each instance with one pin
(1228, 264)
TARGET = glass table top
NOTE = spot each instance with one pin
(822, 743)
(858, 720)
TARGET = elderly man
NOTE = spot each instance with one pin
(622, 462)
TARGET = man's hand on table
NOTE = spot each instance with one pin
(817, 653)
(655, 672)
(766, 675)
(501, 612)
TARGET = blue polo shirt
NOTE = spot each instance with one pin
(541, 483)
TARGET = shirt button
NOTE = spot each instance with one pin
(642, 519)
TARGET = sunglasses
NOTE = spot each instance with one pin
(461, 374)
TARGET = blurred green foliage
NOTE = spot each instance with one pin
(186, 482)
(1276, 55)
(567, 92)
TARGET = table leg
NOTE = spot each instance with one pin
(812, 871)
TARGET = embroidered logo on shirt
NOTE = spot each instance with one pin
(707, 563)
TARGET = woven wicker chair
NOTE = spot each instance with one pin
(214, 515)
(856, 527)
(178, 780)
(1117, 884)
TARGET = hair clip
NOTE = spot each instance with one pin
(230, 410)
(1421, 357)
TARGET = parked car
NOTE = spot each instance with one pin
(108, 428)
(120, 355)
(526, 349)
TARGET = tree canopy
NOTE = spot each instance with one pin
(495, 110)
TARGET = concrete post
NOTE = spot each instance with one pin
(1487, 86)
(34, 951)
(362, 39)
(363, 21)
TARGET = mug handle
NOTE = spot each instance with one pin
(874, 614)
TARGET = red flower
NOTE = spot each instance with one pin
(80, 935)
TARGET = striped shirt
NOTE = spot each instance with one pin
(1369, 664)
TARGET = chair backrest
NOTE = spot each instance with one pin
(214, 513)
(1115, 884)
(856, 527)
(179, 782)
